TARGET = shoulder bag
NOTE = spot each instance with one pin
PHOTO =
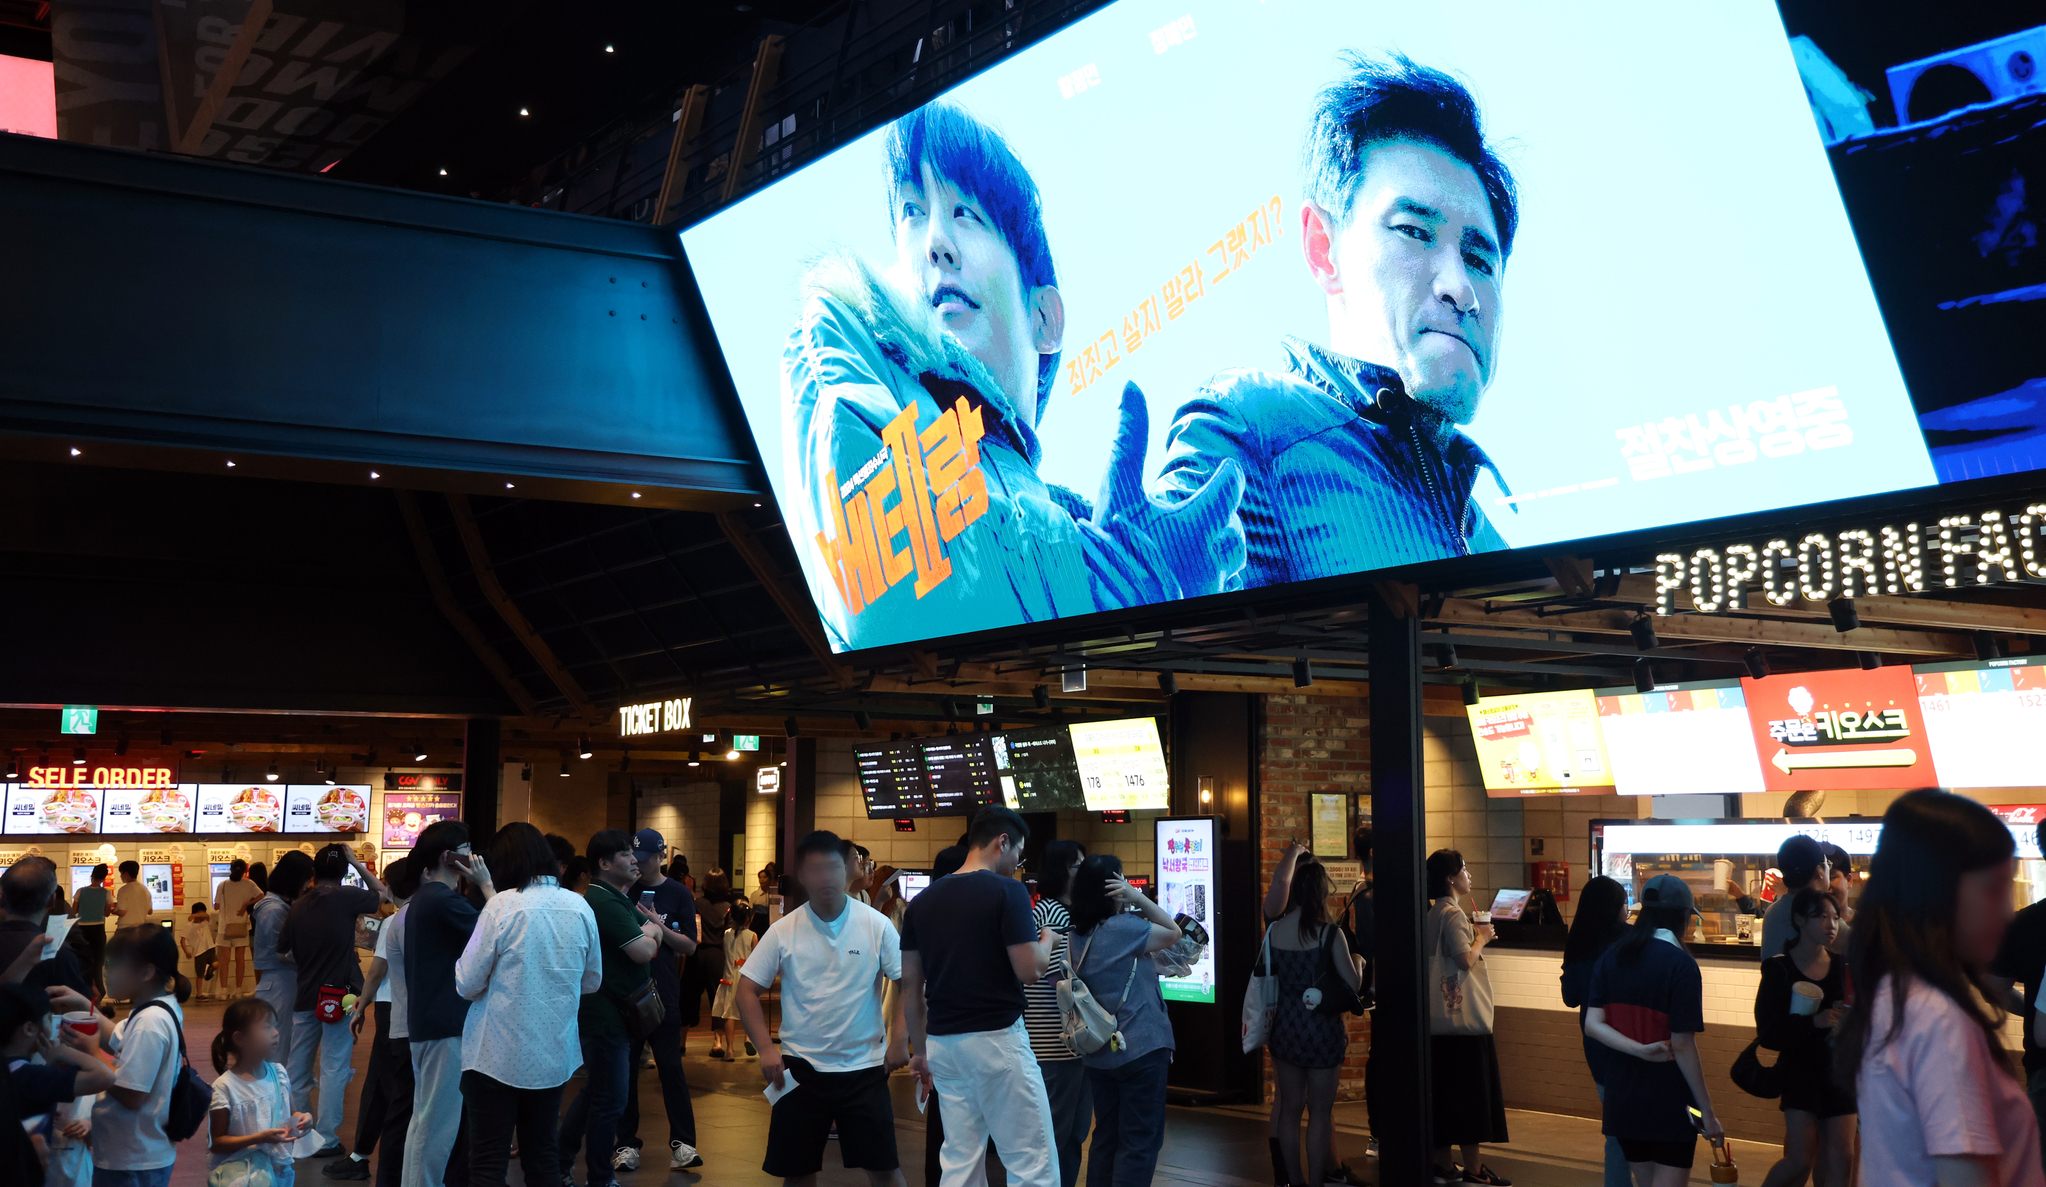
(1330, 993)
(1751, 1076)
(1260, 998)
(190, 1097)
(1459, 999)
(642, 1011)
(1088, 1027)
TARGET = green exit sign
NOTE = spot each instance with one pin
(81, 719)
(745, 741)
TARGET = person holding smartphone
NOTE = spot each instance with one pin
(667, 898)
(438, 923)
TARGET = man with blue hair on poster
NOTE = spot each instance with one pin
(1355, 456)
(911, 402)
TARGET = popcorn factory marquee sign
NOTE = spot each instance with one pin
(1987, 548)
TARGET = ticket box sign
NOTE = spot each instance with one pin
(1681, 739)
(1540, 743)
(1842, 730)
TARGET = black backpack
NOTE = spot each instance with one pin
(191, 1097)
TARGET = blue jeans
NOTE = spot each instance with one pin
(592, 1119)
(1617, 1172)
(1129, 1120)
(102, 1177)
(320, 1054)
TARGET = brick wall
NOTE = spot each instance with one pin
(1311, 744)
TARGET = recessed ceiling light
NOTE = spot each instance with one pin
(731, 754)
(507, 486)
(610, 49)
(373, 474)
(74, 451)
(230, 464)
(756, 504)
(523, 111)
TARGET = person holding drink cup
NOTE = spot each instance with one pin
(1798, 1010)
(1468, 1105)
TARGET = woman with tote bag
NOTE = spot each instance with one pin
(1469, 1108)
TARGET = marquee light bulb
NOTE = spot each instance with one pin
(731, 754)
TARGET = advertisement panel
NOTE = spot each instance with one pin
(1122, 764)
(317, 808)
(1843, 730)
(407, 813)
(240, 808)
(1543, 742)
(1129, 317)
(1986, 722)
(1683, 739)
(1037, 770)
(1186, 886)
(38, 811)
(149, 810)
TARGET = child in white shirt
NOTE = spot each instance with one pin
(254, 1130)
(198, 944)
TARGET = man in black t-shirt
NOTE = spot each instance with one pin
(671, 901)
(968, 948)
(2022, 961)
(320, 935)
(25, 890)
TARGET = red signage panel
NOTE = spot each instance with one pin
(1846, 730)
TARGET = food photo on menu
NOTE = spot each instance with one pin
(343, 809)
(148, 810)
(239, 808)
(69, 810)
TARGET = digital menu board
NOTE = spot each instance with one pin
(1841, 730)
(1186, 886)
(240, 808)
(892, 780)
(40, 811)
(1986, 722)
(1541, 742)
(317, 808)
(960, 772)
(1684, 739)
(1121, 763)
(1036, 769)
(148, 810)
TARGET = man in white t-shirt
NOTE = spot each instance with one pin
(833, 955)
(132, 901)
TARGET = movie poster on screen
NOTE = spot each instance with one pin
(930, 377)
(407, 813)
(1186, 886)
(1841, 730)
(1540, 743)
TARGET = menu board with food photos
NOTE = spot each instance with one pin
(37, 811)
(148, 810)
(241, 808)
(318, 808)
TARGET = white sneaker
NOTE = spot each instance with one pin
(625, 1158)
(683, 1157)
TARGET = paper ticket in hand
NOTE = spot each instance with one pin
(788, 1085)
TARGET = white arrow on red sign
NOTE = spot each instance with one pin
(1894, 756)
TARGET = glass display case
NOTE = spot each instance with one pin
(1730, 864)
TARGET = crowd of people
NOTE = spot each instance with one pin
(1887, 1005)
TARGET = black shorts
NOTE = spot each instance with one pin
(1661, 1153)
(801, 1122)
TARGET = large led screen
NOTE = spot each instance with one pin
(1202, 296)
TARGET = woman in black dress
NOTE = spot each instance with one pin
(1818, 1114)
(1307, 1048)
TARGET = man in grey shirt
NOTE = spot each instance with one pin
(1803, 863)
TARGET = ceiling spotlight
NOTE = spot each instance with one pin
(948, 707)
(526, 773)
(230, 463)
(508, 486)
(75, 451)
(951, 728)
(1303, 673)
(1644, 676)
(635, 494)
(564, 769)
(374, 475)
(612, 49)
(582, 747)
(78, 756)
(333, 776)
(1987, 647)
(1643, 630)
(788, 727)
(1470, 691)
(1445, 654)
(443, 173)
(625, 763)
(418, 751)
(862, 719)
(163, 737)
(121, 747)
(14, 768)
(1040, 696)
(756, 504)
(523, 111)
(1870, 660)
(731, 755)
(1757, 663)
(1168, 683)
(693, 762)
(1844, 617)
(226, 776)
(271, 774)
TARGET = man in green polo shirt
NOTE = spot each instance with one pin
(630, 938)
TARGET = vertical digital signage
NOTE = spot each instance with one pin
(1186, 886)
(1844, 730)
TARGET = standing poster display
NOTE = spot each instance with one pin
(1186, 886)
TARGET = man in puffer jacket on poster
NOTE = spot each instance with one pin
(912, 402)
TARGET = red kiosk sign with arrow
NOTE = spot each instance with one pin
(1850, 730)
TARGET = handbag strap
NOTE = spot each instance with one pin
(1074, 969)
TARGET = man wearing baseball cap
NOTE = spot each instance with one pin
(1803, 863)
(672, 901)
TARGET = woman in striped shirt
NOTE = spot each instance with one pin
(1065, 1078)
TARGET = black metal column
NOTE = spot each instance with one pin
(482, 771)
(1399, 1026)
